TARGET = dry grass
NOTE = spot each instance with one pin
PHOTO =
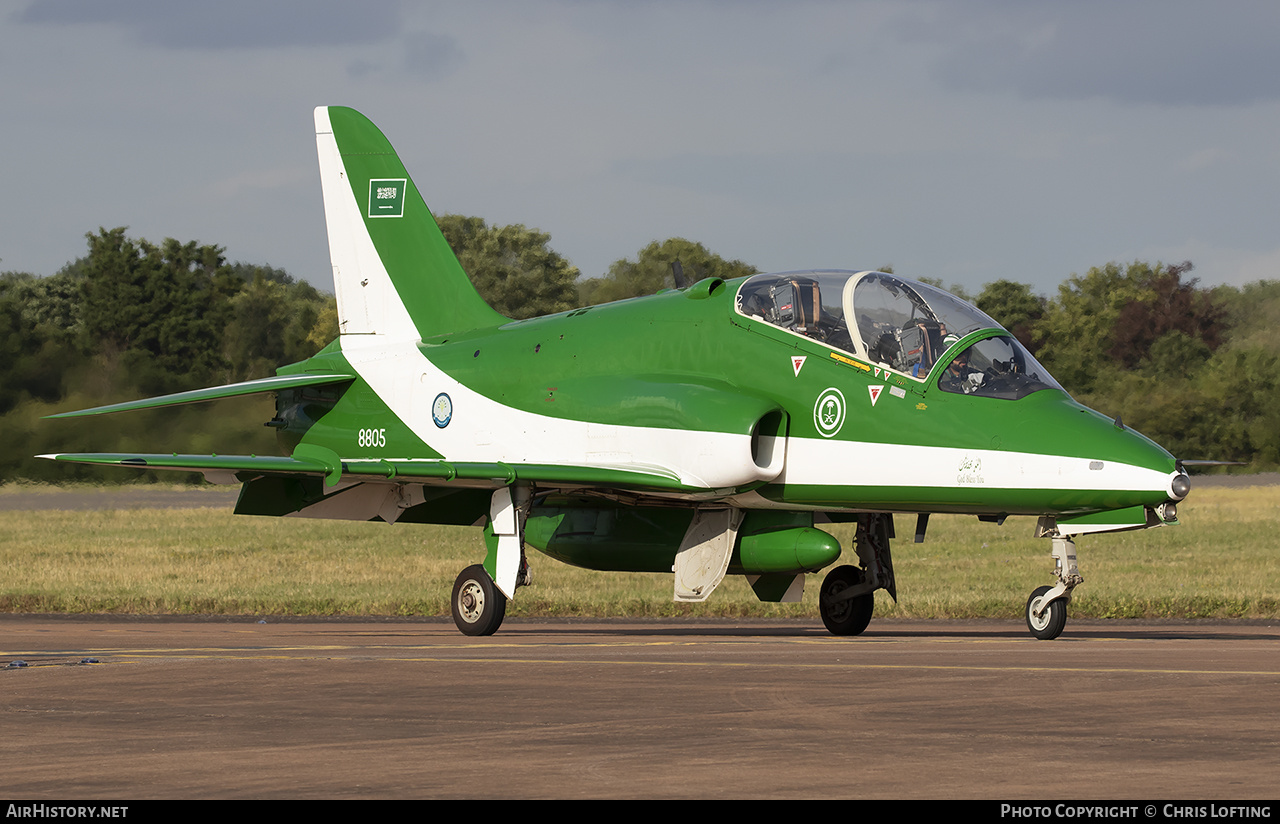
(1221, 562)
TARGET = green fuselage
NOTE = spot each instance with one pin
(686, 361)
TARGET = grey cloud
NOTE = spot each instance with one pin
(229, 24)
(433, 56)
(1165, 53)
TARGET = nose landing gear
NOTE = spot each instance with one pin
(1047, 607)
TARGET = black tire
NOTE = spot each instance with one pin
(1052, 621)
(845, 617)
(477, 604)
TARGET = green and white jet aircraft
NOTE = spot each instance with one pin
(704, 431)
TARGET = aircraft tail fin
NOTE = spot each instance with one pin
(393, 271)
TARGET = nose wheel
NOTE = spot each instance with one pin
(1046, 621)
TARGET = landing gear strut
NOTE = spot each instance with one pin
(479, 601)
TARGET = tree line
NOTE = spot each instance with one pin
(1196, 369)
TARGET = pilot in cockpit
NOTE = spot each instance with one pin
(958, 377)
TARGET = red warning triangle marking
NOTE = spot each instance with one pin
(875, 393)
(797, 361)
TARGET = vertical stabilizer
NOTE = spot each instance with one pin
(393, 271)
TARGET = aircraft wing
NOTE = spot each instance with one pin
(319, 462)
(213, 393)
(309, 460)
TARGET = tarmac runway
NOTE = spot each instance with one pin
(627, 709)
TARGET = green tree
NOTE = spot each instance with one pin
(1014, 307)
(512, 267)
(325, 329)
(249, 272)
(133, 318)
(37, 337)
(1223, 410)
(1166, 305)
(1176, 355)
(271, 321)
(653, 270)
(1252, 314)
(1187, 367)
(1075, 336)
(52, 301)
(157, 312)
(1113, 316)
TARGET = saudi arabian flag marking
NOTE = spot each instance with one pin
(828, 412)
(386, 198)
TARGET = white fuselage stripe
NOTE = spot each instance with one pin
(860, 463)
(483, 430)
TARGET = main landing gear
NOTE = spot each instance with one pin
(847, 597)
(849, 615)
(478, 605)
(479, 601)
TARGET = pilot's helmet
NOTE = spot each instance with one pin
(947, 341)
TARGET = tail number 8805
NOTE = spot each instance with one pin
(372, 437)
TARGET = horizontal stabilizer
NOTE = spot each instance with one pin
(261, 464)
(213, 393)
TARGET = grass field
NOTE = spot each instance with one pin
(1223, 561)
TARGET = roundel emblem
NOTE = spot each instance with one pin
(828, 412)
(442, 410)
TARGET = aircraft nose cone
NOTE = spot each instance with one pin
(1150, 471)
(1124, 467)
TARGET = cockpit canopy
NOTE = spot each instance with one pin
(897, 323)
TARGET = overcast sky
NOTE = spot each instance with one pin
(968, 141)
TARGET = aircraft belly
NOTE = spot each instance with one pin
(362, 502)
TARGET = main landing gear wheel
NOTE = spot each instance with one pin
(1050, 623)
(850, 616)
(478, 605)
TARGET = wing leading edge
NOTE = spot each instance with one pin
(316, 461)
